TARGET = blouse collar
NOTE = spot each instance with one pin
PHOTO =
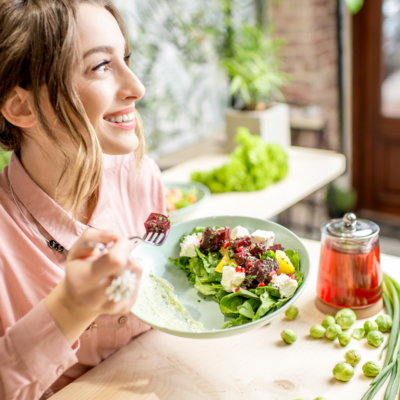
(60, 225)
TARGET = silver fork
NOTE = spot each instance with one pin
(148, 238)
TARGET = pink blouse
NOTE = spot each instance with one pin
(35, 358)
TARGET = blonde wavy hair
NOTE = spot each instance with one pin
(39, 48)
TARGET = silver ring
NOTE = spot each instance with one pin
(122, 288)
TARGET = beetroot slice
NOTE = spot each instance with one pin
(157, 223)
(258, 250)
(275, 247)
(259, 272)
(243, 242)
(214, 239)
(241, 258)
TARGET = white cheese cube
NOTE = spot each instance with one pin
(239, 232)
(189, 244)
(263, 237)
(286, 286)
(231, 280)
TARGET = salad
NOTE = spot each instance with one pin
(177, 199)
(247, 274)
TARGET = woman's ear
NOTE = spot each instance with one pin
(18, 110)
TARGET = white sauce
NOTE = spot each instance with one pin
(159, 304)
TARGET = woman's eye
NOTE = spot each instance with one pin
(102, 67)
(126, 58)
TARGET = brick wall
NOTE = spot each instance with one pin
(310, 56)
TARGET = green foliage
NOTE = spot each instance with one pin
(4, 159)
(253, 165)
(340, 201)
(253, 66)
(354, 6)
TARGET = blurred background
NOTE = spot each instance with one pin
(330, 69)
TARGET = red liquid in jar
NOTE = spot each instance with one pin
(349, 280)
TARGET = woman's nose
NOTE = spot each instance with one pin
(130, 85)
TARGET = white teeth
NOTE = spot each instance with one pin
(122, 118)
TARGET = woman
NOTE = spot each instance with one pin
(77, 175)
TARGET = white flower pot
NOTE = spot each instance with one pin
(273, 124)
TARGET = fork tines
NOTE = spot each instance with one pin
(156, 238)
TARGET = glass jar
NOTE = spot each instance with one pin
(349, 270)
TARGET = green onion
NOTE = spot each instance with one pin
(391, 366)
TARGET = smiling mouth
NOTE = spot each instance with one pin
(123, 118)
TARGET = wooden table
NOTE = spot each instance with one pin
(310, 169)
(253, 366)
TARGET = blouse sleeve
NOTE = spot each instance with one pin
(33, 354)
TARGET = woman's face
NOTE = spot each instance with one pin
(107, 87)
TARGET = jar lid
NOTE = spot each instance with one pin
(350, 227)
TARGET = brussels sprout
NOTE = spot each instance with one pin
(358, 333)
(371, 368)
(328, 320)
(352, 357)
(375, 338)
(384, 322)
(343, 372)
(291, 312)
(317, 331)
(320, 398)
(289, 336)
(344, 339)
(345, 318)
(333, 331)
(370, 326)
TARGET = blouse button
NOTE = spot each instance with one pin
(60, 370)
(122, 320)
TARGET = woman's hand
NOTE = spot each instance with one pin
(80, 296)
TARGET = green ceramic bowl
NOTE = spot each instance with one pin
(202, 193)
(207, 311)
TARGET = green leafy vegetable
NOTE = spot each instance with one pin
(237, 321)
(295, 260)
(253, 165)
(208, 289)
(229, 304)
(248, 307)
(266, 304)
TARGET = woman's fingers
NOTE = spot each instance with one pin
(114, 262)
(90, 235)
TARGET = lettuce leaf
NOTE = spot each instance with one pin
(267, 303)
(253, 165)
(249, 307)
(237, 321)
(295, 260)
(208, 289)
(229, 304)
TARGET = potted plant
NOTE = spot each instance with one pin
(255, 82)
(340, 201)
